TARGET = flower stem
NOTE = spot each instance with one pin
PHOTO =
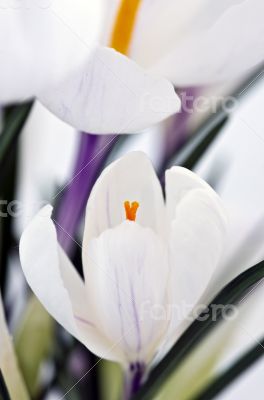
(133, 379)
(90, 159)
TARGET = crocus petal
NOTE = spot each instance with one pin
(196, 241)
(20, 32)
(179, 182)
(46, 39)
(126, 278)
(172, 32)
(197, 236)
(40, 263)
(132, 178)
(166, 22)
(53, 279)
(110, 93)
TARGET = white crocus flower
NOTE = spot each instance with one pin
(194, 42)
(46, 54)
(139, 257)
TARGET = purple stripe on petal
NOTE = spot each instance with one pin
(135, 317)
(84, 321)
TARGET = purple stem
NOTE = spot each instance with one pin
(133, 379)
(90, 159)
(177, 130)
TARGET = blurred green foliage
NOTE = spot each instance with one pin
(33, 343)
(111, 376)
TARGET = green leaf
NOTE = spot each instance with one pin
(111, 378)
(196, 146)
(33, 342)
(200, 141)
(15, 120)
(228, 376)
(231, 294)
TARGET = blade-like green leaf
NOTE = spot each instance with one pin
(228, 376)
(231, 294)
(200, 141)
(15, 120)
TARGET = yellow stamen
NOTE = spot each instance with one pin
(131, 210)
(124, 24)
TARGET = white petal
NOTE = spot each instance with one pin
(40, 263)
(55, 282)
(196, 243)
(179, 182)
(111, 94)
(126, 278)
(212, 39)
(131, 178)
(47, 40)
(110, 9)
(166, 22)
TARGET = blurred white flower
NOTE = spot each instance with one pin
(99, 90)
(137, 257)
(94, 88)
(194, 42)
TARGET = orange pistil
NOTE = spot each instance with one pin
(124, 25)
(131, 210)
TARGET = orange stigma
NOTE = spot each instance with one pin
(124, 25)
(131, 210)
